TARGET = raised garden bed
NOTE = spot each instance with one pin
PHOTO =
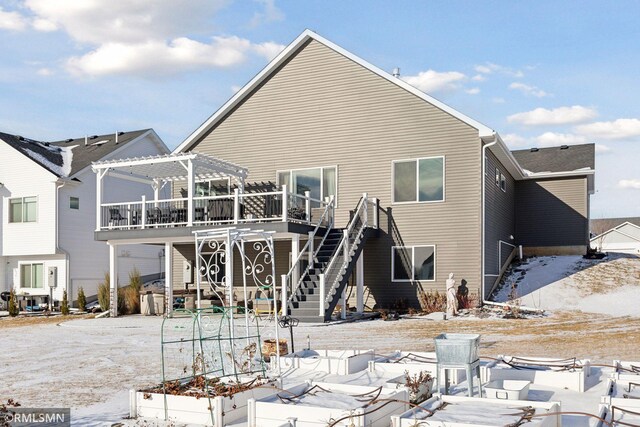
(214, 403)
(413, 362)
(572, 374)
(460, 411)
(342, 362)
(321, 404)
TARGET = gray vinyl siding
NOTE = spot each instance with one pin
(322, 109)
(500, 219)
(552, 212)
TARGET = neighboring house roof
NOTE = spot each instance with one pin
(65, 158)
(600, 225)
(290, 51)
(566, 158)
(619, 229)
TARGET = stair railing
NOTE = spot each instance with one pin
(289, 292)
(350, 237)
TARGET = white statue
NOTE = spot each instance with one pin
(452, 299)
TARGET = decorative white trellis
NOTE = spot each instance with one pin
(215, 264)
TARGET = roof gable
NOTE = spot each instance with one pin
(291, 51)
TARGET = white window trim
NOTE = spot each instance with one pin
(497, 177)
(44, 274)
(322, 168)
(435, 260)
(417, 159)
(503, 179)
(9, 199)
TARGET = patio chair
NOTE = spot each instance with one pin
(116, 218)
(153, 215)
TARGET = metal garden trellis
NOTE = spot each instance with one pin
(222, 342)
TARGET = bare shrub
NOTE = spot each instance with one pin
(432, 301)
(104, 295)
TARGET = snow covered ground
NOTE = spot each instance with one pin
(608, 286)
(90, 364)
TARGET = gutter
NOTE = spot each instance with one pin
(59, 185)
(483, 180)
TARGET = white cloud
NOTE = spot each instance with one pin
(629, 183)
(44, 25)
(473, 91)
(44, 72)
(478, 78)
(104, 21)
(528, 90)
(235, 88)
(159, 58)
(12, 21)
(552, 139)
(556, 116)
(434, 81)
(617, 129)
(271, 13)
(515, 141)
(490, 68)
(268, 50)
(602, 149)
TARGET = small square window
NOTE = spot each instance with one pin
(503, 183)
(74, 203)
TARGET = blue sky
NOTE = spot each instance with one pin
(540, 73)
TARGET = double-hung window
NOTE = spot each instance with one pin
(418, 180)
(32, 276)
(413, 263)
(23, 209)
(319, 182)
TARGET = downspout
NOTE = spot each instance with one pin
(59, 185)
(483, 180)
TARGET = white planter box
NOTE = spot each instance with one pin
(476, 412)
(191, 410)
(617, 389)
(507, 389)
(414, 362)
(536, 373)
(628, 371)
(317, 410)
(342, 362)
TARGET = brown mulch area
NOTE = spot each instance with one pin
(27, 320)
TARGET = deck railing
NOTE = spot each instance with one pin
(235, 208)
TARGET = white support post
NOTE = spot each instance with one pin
(307, 205)
(345, 245)
(284, 294)
(322, 295)
(376, 219)
(143, 211)
(360, 283)
(113, 279)
(168, 278)
(365, 200)
(295, 252)
(236, 205)
(343, 301)
(228, 274)
(156, 193)
(311, 249)
(332, 200)
(190, 193)
(99, 177)
(285, 202)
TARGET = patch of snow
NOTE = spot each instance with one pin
(65, 152)
(609, 286)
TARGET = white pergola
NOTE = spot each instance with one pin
(159, 170)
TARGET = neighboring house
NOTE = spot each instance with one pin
(624, 238)
(600, 225)
(48, 211)
(319, 119)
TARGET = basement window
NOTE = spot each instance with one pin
(413, 263)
